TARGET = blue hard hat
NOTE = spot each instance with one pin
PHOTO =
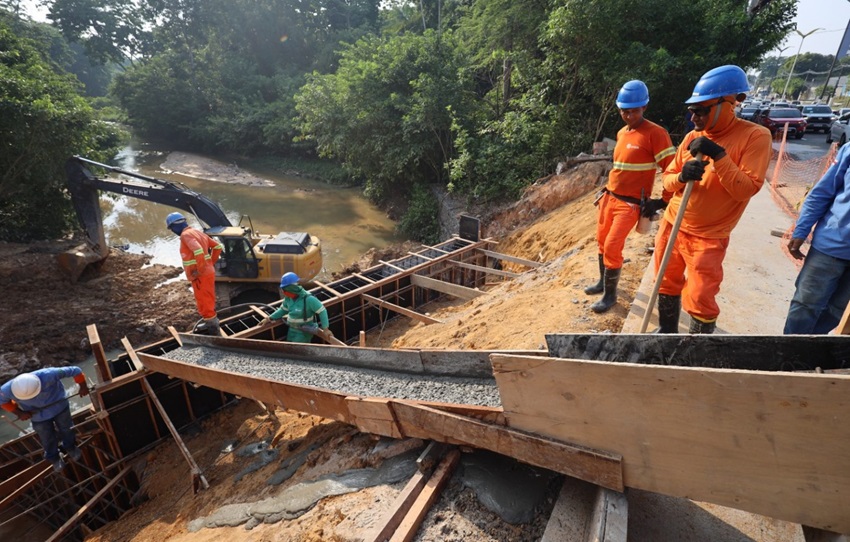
(174, 218)
(633, 94)
(722, 81)
(288, 279)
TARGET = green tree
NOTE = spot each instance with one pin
(386, 113)
(43, 122)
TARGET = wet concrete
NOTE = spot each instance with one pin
(506, 487)
(296, 500)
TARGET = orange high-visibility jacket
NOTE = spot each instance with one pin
(199, 252)
(638, 155)
(718, 201)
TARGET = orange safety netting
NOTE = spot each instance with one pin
(791, 179)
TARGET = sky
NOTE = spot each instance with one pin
(830, 15)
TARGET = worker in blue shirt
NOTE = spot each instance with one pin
(823, 285)
(40, 396)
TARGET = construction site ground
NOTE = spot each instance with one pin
(46, 316)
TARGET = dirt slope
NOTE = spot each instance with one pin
(546, 227)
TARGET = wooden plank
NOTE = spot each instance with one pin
(455, 290)
(609, 521)
(307, 399)
(487, 270)
(363, 277)
(327, 288)
(372, 415)
(175, 334)
(12, 488)
(103, 372)
(401, 310)
(388, 264)
(844, 325)
(131, 352)
(426, 498)
(570, 518)
(764, 442)
(426, 258)
(509, 258)
(362, 339)
(193, 466)
(62, 531)
(578, 461)
(400, 507)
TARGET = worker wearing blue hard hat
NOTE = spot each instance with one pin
(642, 148)
(305, 314)
(737, 154)
(199, 253)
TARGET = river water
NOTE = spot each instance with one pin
(347, 224)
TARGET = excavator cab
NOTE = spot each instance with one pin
(238, 259)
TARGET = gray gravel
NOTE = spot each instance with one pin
(347, 380)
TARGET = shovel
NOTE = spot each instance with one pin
(650, 305)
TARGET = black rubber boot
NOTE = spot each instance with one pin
(598, 287)
(669, 307)
(698, 327)
(609, 298)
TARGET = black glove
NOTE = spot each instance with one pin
(692, 170)
(650, 207)
(707, 147)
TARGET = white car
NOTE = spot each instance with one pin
(838, 130)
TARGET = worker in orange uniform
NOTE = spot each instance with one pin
(199, 252)
(738, 153)
(642, 147)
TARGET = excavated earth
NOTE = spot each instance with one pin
(45, 321)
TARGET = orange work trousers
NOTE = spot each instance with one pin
(616, 219)
(204, 289)
(694, 271)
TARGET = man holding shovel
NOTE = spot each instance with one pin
(40, 396)
(738, 153)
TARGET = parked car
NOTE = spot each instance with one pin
(776, 118)
(747, 112)
(818, 117)
(838, 130)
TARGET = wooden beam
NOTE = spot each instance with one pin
(363, 277)
(594, 466)
(509, 258)
(400, 507)
(197, 475)
(401, 310)
(373, 415)
(388, 264)
(426, 258)
(62, 531)
(844, 325)
(764, 442)
(12, 488)
(426, 498)
(362, 339)
(327, 288)
(131, 352)
(487, 270)
(455, 290)
(175, 334)
(103, 372)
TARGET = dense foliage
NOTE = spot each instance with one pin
(43, 121)
(480, 97)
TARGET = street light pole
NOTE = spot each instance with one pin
(794, 64)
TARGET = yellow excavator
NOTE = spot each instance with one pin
(251, 264)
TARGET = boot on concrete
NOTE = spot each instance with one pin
(609, 297)
(669, 307)
(698, 327)
(597, 288)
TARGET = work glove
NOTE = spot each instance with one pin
(84, 389)
(707, 147)
(265, 321)
(23, 415)
(650, 207)
(692, 170)
(794, 246)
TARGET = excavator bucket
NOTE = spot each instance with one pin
(84, 195)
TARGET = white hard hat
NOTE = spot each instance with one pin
(26, 386)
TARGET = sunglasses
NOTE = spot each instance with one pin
(702, 110)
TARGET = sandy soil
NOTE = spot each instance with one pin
(47, 326)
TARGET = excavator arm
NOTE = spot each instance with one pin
(84, 188)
